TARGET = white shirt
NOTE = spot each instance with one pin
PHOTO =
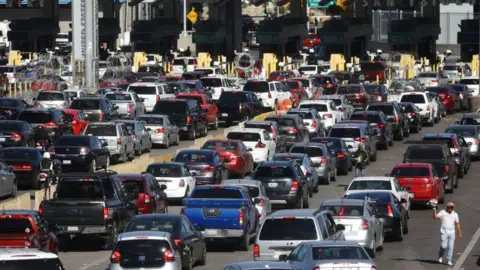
(448, 220)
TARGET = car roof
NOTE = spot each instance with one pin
(262, 265)
(439, 135)
(300, 155)
(348, 125)
(343, 202)
(167, 163)
(293, 212)
(14, 254)
(302, 109)
(471, 115)
(383, 103)
(373, 178)
(154, 115)
(413, 165)
(309, 144)
(126, 121)
(257, 122)
(289, 116)
(315, 101)
(246, 182)
(365, 112)
(247, 130)
(282, 163)
(50, 91)
(328, 97)
(203, 151)
(462, 127)
(158, 216)
(144, 84)
(333, 243)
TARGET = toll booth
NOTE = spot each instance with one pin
(468, 39)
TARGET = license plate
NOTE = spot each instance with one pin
(225, 114)
(67, 162)
(72, 229)
(211, 232)
(2, 139)
(411, 195)
(141, 258)
(348, 228)
(272, 185)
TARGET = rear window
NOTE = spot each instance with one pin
(15, 225)
(211, 82)
(427, 75)
(298, 160)
(370, 184)
(150, 120)
(267, 128)
(424, 152)
(256, 87)
(9, 103)
(336, 253)
(101, 130)
(165, 170)
(280, 74)
(371, 118)
(222, 146)
(325, 80)
(194, 157)
(311, 151)
(283, 121)
(303, 69)
(36, 117)
(451, 68)
(72, 141)
(303, 115)
(87, 190)
(19, 154)
(153, 69)
(288, 229)
(342, 76)
(293, 85)
(142, 253)
(207, 71)
(373, 89)
(463, 121)
(217, 193)
(177, 62)
(11, 126)
(85, 104)
(244, 136)
(318, 107)
(305, 83)
(118, 97)
(191, 76)
(170, 108)
(342, 90)
(143, 90)
(464, 132)
(443, 90)
(37, 264)
(457, 88)
(386, 109)
(345, 133)
(408, 108)
(233, 97)
(153, 224)
(274, 172)
(410, 172)
(50, 96)
(133, 186)
(197, 98)
(344, 210)
(373, 197)
(330, 143)
(468, 81)
(448, 141)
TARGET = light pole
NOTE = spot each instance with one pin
(184, 18)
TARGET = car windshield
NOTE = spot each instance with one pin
(344, 210)
(165, 170)
(275, 229)
(343, 90)
(448, 141)
(151, 120)
(143, 90)
(371, 118)
(450, 68)
(427, 75)
(37, 264)
(217, 193)
(410, 172)
(36, 117)
(462, 131)
(47, 96)
(72, 141)
(133, 186)
(274, 172)
(373, 197)
(336, 253)
(170, 108)
(233, 97)
(298, 160)
(118, 97)
(142, 253)
(19, 154)
(194, 157)
(9, 102)
(285, 122)
(310, 151)
(101, 130)
(318, 107)
(85, 104)
(424, 152)
(387, 110)
(244, 136)
(211, 82)
(220, 146)
(372, 88)
(154, 224)
(345, 133)
(256, 87)
(370, 184)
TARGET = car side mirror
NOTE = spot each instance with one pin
(340, 227)
(420, 110)
(283, 258)
(116, 107)
(193, 173)
(375, 132)
(104, 144)
(469, 143)
(407, 188)
(345, 188)
(403, 201)
(163, 187)
(149, 129)
(34, 99)
(249, 149)
(260, 99)
(143, 172)
(455, 155)
(10, 169)
(172, 159)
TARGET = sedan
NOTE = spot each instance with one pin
(205, 165)
(235, 155)
(27, 166)
(339, 148)
(378, 92)
(312, 121)
(9, 181)
(259, 265)
(17, 133)
(307, 165)
(141, 136)
(471, 134)
(162, 129)
(148, 194)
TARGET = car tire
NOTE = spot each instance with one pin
(399, 236)
(93, 166)
(245, 242)
(167, 142)
(205, 131)
(399, 135)
(405, 227)
(461, 174)
(193, 133)
(132, 155)
(203, 258)
(13, 193)
(36, 185)
(374, 156)
(306, 202)
(334, 176)
(215, 124)
(110, 241)
(372, 251)
(188, 265)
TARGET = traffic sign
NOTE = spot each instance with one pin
(321, 3)
(192, 16)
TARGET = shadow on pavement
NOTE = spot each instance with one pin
(417, 260)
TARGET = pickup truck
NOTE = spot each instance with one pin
(130, 106)
(223, 212)
(94, 205)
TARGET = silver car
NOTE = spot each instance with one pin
(259, 265)
(324, 162)
(312, 120)
(136, 250)
(119, 140)
(330, 255)
(342, 105)
(50, 99)
(141, 136)
(305, 163)
(130, 106)
(362, 222)
(471, 134)
(432, 78)
(162, 129)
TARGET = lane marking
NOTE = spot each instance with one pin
(94, 263)
(467, 251)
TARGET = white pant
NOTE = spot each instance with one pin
(447, 243)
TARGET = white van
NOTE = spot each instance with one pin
(152, 93)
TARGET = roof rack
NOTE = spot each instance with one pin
(439, 142)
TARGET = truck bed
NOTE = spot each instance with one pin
(215, 213)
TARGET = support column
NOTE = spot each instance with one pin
(233, 27)
(50, 9)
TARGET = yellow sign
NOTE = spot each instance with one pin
(192, 16)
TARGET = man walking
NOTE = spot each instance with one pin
(362, 157)
(450, 221)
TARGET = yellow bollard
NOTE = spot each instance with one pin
(10, 90)
(453, 80)
(15, 90)
(378, 80)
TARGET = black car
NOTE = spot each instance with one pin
(54, 121)
(206, 166)
(188, 239)
(463, 93)
(284, 181)
(469, 119)
(81, 153)
(329, 84)
(377, 92)
(395, 115)
(11, 107)
(291, 126)
(337, 147)
(177, 88)
(378, 120)
(414, 115)
(390, 209)
(193, 75)
(187, 115)
(96, 108)
(27, 165)
(17, 133)
(236, 106)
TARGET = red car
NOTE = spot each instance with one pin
(297, 91)
(311, 41)
(26, 229)
(281, 75)
(149, 195)
(421, 181)
(79, 122)
(235, 155)
(451, 101)
(206, 102)
(49, 82)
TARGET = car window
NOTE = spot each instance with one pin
(288, 228)
(330, 224)
(370, 184)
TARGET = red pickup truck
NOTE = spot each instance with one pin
(206, 103)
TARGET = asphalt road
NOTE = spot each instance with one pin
(418, 250)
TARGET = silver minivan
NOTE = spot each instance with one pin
(50, 99)
(283, 230)
(119, 140)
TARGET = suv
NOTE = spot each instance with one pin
(284, 183)
(119, 140)
(238, 105)
(269, 93)
(151, 93)
(356, 94)
(217, 85)
(54, 121)
(273, 129)
(326, 109)
(283, 230)
(292, 127)
(323, 160)
(413, 114)
(149, 195)
(355, 133)
(312, 120)
(377, 119)
(426, 105)
(187, 115)
(96, 108)
(395, 115)
(50, 99)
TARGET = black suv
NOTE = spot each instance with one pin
(378, 120)
(395, 115)
(96, 108)
(238, 106)
(54, 121)
(11, 107)
(186, 114)
(89, 204)
(414, 115)
(284, 181)
(292, 127)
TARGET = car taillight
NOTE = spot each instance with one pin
(389, 210)
(119, 141)
(341, 109)
(447, 169)
(397, 118)
(428, 108)
(177, 241)
(22, 167)
(222, 90)
(115, 258)
(181, 183)
(101, 117)
(274, 133)
(328, 85)
(435, 81)
(107, 213)
(146, 199)
(260, 145)
(328, 115)
(413, 114)
(158, 98)
(51, 150)
(42, 176)
(475, 141)
(134, 137)
(314, 124)
(362, 140)
(292, 130)
(189, 120)
(380, 125)
(269, 94)
(209, 169)
(168, 256)
(74, 122)
(340, 155)
(50, 124)
(182, 211)
(261, 203)
(323, 162)
(160, 130)
(316, 268)
(373, 268)
(256, 250)
(295, 185)
(241, 217)
(130, 108)
(240, 107)
(15, 137)
(364, 225)
(84, 151)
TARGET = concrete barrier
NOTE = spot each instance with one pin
(474, 103)
(30, 200)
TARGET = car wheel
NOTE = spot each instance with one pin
(113, 235)
(372, 250)
(188, 265)
(193, 133)
(405, 227)
(400, 232)
(215, 125)
(245, 241)
(167, 142)
(203, 258)
(132, 155)
(13, 193)
(107, 163)
(93, 166)
(334, 176)
(205, 130)
(461, 174)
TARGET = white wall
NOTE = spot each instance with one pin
(450, 17)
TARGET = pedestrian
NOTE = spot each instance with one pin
(450, 221)
(188, 52)
(362, 157)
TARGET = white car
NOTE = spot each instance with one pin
(376, 183)
(211, 71)
(310, 69)
(73, 94)
(257, 141)
(183, 64)
(176, 176)
(217, 85)
(427, 106)
(151, 93)
(258, 194)
(344, 109)
(327, 110)
(26, 258)
(268, 92)
(472, 85)
(432, 78)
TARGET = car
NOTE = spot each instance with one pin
(194, 75)
(267, 92)
(54, 121)
(258, 142)
(273, 129)
(342, 105)
(162, 129)
(329, 83)
(96, 108)
(186, 114)
(306, 164)
(378, 92)
(464, 94)
(17, 133)
(324, 162)
(326, 108)
(291, 127)
(283, 230)
(80, 153)
(151, 94)
(192, 85)
(50, 99)
(129, 104)
(284, 182)
(451, 101)
(356, 95)
(73, 94)
(312, 120)
(216, 85)
(355, 133)
(427, 106)
(186, 237)
(421, 181)
(393, 112)
(296, 90)
(362, 222)
(393, 215)
(27, 258)
(238, 106)
(389, 183)
(469, 119)
(142, 138)
(147, 247)
(148, 194)
(102, 91)
(432, 78)
(79, 120)
(378, 120)
(259, 265)
(310, 69)
(21, 167)
(339, 149)
(471, 134)
(11, 107)
(282, 75)
(205, 165)
(472, 84)
(234, 153)
(310, 86)
(118, 138)
(175, 176)
(206, 103)
(413, 114)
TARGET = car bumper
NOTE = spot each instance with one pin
(267, 103)
(115, 150)
(204, 180)
(159, 138)
(259, 155)
(73, 163)
(322, 172)
(26, 178)
(283, 199)
(231, 116)
(166, 266)
(474, 150)
(342, 162)
(363, 238)
(176, 193)
(222, 233)
(390, 225)
(422, 196)
(84, 230)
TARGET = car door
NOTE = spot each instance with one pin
(268, 140)
(6, 185)
(101, 153)
(140, 107)
(298, 257)
(173, 130)
(81, 121)
(130, 205)
(464, 148)
(212, 112)
(145, 135)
